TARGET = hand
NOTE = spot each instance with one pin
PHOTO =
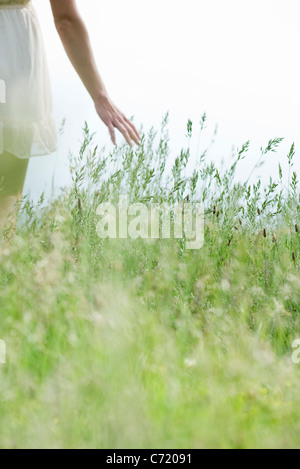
(113, 118)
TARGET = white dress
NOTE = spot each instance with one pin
(26, 125)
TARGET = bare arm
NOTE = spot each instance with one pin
(75, 39)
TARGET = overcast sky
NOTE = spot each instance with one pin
(238, 60)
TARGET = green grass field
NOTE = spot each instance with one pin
(142, 343)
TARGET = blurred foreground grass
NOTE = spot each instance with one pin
(144, 344)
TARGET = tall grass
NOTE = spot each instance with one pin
(142, 343)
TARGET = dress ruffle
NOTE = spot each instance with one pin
(28, 139)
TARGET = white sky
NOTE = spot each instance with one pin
(238, 60)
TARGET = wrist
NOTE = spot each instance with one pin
(101, 98)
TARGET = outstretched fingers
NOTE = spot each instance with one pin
(115, 119)
(112, 133)
(127, 129)
(134, 133)
(124, 130)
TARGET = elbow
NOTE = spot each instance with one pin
(64, 24)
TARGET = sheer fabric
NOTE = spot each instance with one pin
(26, 125)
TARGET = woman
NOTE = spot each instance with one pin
(26, 125)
